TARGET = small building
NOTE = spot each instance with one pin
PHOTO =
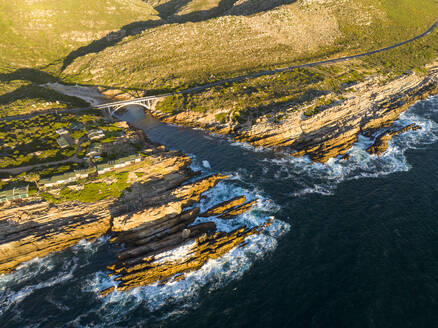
(65, 141)
(85, 173)
(15, 193)
(95, 149)
(104, 168)
(61, 131)
(96, 134)
(57, 180)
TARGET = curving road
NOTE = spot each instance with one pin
(248, 76)
(273, 71)
(317, 63)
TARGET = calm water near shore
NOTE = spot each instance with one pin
(355, 244)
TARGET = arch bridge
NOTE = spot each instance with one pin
(145, 102)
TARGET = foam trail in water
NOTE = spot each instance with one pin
(323, 178)
(9, 297)
(215, 273)
(49, 271)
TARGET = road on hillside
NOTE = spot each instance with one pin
(313, 64)
(248, 76)
(279, 70)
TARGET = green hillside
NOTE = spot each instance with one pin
(39, 32)
(245, 37)
(165, 45)
(37, 35)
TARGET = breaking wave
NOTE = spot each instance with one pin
(183, 294)
(323, 179)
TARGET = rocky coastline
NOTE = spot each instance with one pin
(154, 215)
(366, 108)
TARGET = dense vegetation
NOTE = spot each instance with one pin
(240, 101)
(33, 141)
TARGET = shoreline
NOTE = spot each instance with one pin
(158, 212)
(329, 133)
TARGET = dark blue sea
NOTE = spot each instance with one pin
(353, 244)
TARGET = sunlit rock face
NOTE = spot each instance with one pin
(152, 216)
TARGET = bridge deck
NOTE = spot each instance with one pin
(130, 102)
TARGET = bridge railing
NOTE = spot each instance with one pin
(133, 101)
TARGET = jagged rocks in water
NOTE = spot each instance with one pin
(238, 210)
(165, 205)
(381, 143)
(224, 206)
(167, 242)
(331, 132)
(147, 241)
(154, 269)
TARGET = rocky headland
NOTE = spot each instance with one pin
(364, 109)
(155, 214)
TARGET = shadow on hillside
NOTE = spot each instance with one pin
(28, 74)
(167, 12)
(170, 8)
(36, 78)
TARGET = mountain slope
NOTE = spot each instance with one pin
(249, 36)
(37, 32)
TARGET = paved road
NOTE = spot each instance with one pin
(313, 64)
(252, 75)
(72, 159)
(21, 169)
(279, 70)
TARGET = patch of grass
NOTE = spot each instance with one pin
(38, 33)
(93, 190)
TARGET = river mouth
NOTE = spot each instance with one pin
(355, 242)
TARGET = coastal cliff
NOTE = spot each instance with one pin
(364, 109)
(153, 215)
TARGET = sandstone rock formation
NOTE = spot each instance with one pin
(372, 105)
(153, 215)
(381, 143)
(152, 268)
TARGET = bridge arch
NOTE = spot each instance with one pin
(112, 108)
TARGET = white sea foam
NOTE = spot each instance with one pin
(175, 254)
(324, 178)
(9, 297)
(45, 272)
(206, 164)
(215, 273)
(247, 146)
(183, 293)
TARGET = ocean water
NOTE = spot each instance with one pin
(353, 244)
